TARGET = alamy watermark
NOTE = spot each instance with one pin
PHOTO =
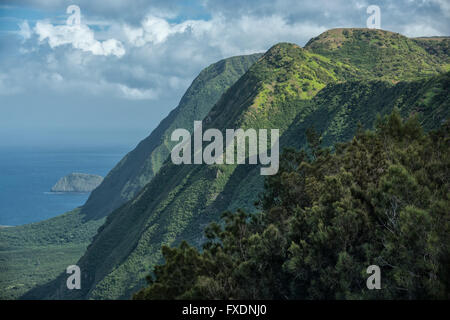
(374, 281)
(374, 20)
(235, 139)
(74, 280)
(75, 15)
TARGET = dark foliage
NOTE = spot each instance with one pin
(381, 198)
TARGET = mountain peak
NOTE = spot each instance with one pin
(378, 53)
(334, 38)
(283, 45)
(282, 49)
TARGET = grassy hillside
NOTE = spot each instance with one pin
(329, 86)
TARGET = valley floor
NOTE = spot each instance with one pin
(23, 269)
(34, 254)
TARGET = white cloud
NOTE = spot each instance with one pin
(25, 30)
(79, 36)
(419, 30)
(159, 59)
(231, 36)
(156, 30)
(138, 94)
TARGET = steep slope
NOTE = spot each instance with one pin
(339, 109)
(289, 88)
(138, 167)
(27, 253)
(436, 46)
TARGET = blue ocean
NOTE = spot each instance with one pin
(27, 175)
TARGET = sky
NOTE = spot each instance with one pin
(112, 76)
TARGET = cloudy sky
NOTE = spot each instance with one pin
(112, 78)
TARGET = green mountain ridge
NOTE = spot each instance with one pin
(331, 84)
(436, 46)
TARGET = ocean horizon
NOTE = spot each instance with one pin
(28, 173)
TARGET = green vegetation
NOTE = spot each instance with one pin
(379, 54)
(381, 198)
(36, 253)
(436, 46)
(289, 88)
(338, 109)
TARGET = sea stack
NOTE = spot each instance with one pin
(77, 182)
